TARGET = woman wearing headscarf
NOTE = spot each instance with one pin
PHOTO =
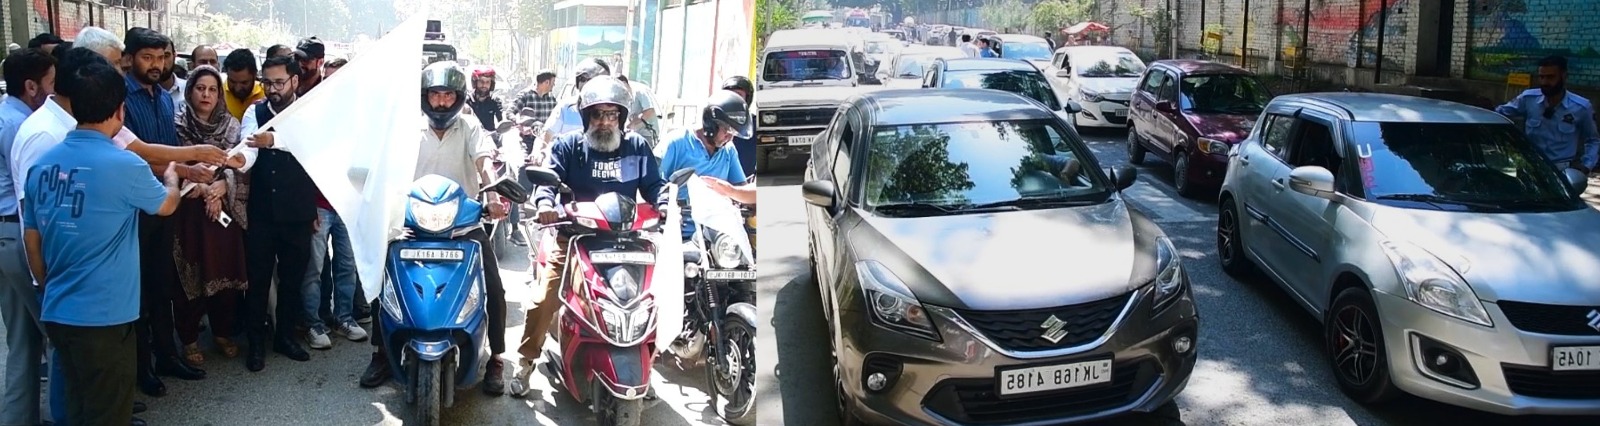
(209, 249)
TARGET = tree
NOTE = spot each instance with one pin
(774, 15)
(1052, 15)
(1006, 15)
(916, 165)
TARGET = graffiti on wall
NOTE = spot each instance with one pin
(572, 44)
(734, 39)
(1511, 35)
(1344, 23)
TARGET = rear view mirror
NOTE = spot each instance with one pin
(1576, 181)
(1072, 107)
(681, 176)
(1123, 176)
(1164, 106)
(510, 189)
(541, 176)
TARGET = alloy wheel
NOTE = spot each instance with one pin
(1355, 348)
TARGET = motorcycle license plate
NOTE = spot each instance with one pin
(730, 275)
(432, 254)
(623, 257)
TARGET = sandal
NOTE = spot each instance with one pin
(227, 347)
(192, 355)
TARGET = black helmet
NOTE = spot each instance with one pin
(587, 70)
(740, 83)
(443, 75)
(727, 108)
(604, 89)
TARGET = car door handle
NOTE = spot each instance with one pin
(1244, 160)
(1277, 183)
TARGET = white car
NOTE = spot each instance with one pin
(1100, 78)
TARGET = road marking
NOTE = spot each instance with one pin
(1167, 208)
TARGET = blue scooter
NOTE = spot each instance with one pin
(434, 318)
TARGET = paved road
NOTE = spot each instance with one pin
(323, 391)
(1260, 360)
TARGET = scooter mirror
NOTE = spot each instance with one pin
(681, 176)
(504, 126)
(541, 176)
(510, 189)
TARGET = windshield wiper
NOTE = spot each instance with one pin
(1437, 200)
(918, 208)
(1039, 202)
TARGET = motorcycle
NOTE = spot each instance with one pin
(720, 317)
(507, 159)
(606, 327)
(434, 319)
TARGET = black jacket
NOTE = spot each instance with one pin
(280, 189)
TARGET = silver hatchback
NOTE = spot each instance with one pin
(1444, 256)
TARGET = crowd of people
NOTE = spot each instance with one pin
(159, 208)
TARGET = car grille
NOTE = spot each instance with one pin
(976, 401)
(800, 117)
(1113, 119)
(1565, 320)
(1541, 382)
(1024, 331)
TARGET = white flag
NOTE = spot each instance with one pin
(357, 135)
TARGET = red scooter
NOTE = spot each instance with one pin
(606, 328)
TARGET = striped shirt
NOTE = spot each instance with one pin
(150, 113)
(541, 104)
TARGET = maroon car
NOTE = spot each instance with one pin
(1190, 113)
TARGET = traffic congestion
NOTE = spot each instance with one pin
(979, 227)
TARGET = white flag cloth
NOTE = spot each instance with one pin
(666, 283)
(356, 135)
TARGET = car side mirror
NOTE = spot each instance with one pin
(681, 176)
(1064, 73)
(1576, 181)
(1072, 107)
(1315, 181)
(1164, 106)
(509, 188)
(818, 193)
(1123, 176)
(541, 176)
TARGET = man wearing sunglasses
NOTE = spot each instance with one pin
(1559, 123)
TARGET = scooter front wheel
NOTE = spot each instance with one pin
(430, 396)
(613, 411)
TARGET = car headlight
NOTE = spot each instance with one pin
(390, 298)
(474, 300)
(1090, 95)
(1433, 284)
(769, 118)
(1211, 146)
(434, 217)
(891, 302)
(625, 326)
(728, 254)
(622, 283)
(1169, 273)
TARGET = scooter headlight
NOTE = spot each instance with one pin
(727, 253)
(434, 217)
(390, 299)
(627, 326)
(474, 301)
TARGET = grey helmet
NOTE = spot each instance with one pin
(604, 89)
(587, 70)
(443, 75)
(726, 107)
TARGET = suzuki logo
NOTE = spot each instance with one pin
(1055, 329)
(1594, 319)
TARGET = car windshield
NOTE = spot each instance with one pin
(1225, 94)
(912, 66)
(1107, 65)
(801, 65)
(963, 166)
(877, 46)
(1025, 51)
(1458, 166)
(1026, 83)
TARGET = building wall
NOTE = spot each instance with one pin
(73, 16)
(1510, 36)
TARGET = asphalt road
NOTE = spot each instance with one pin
(1260, 355)
(323, 391)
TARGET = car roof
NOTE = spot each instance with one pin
(1383, 107)
(975, 64)
(810, 37)
(1021, 38)
(1196, 66)
(1098, 49)
(899, 107)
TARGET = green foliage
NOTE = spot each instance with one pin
(915, 165)
(774, 15)
(530, 17)
(1054, 15)
(1006, 14)
(215, 28)
(853, 3)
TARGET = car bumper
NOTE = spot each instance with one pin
(1510, 366)
(1207, 170)
(786, 142)
(1103, 114)
(954, 381)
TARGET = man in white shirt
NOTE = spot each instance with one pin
(969, 46)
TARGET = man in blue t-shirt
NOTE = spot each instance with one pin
(709, 151)
(80, 217)
(602, 158)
